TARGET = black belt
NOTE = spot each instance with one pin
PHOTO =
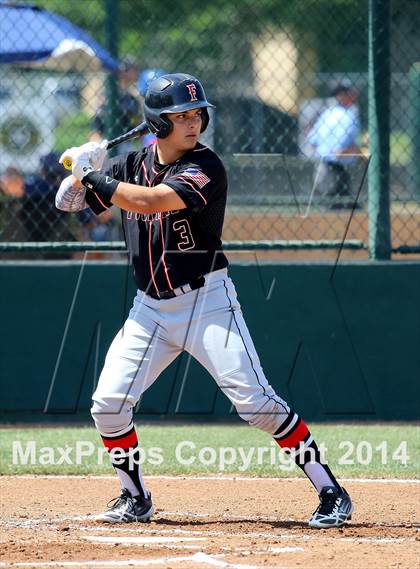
(172, 293)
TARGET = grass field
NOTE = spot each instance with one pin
(377, 451)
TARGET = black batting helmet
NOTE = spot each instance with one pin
(173, 93)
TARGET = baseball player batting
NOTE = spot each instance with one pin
(172, 197)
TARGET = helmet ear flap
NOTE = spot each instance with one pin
(153, 127)
(165, 127)
(161, 127)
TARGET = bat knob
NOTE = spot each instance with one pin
(67, 162)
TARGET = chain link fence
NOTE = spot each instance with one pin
(291, 85)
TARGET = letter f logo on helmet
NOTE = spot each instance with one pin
(192, 91)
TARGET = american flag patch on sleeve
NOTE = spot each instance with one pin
(196, 176)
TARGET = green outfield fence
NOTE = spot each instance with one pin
(270, 67)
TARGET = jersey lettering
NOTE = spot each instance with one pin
(131, 215)
(187, 240)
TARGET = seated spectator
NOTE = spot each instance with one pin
(11, 191)
(12, 183)
(334, 139)
(104, 227)
(38, 214)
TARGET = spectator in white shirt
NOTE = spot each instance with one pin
(334, 138)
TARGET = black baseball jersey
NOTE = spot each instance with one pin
(169, 249)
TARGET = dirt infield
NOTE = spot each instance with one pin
(206, 522)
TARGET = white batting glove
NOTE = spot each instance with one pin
(80, 162)
(96, 151)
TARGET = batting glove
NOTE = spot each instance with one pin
(80, 161)
(96, 152)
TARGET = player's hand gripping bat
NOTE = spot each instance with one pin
(138, 131)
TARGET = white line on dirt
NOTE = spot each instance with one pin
(282, 550)
(315, 536)
(140, 540)
(199, 557)
(224, 516)
(216, 477)
(377, 539)
(119, 563)
(138, 528)
(270, 535)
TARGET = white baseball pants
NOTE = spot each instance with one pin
(208, 324)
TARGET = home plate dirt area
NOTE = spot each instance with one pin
(206, 522)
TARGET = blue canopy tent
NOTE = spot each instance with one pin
(31, 103)
(32, 36)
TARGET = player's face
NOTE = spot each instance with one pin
(186, 129)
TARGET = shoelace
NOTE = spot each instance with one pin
(118, 501)
(327, 504)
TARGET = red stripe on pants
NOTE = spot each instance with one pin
(292, 440)
(127, 441)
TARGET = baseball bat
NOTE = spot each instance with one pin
(135, 132)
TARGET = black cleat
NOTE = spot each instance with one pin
(126, 509)
(334, 509)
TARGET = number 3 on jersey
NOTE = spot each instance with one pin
(186, 239)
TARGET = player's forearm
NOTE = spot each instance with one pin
(76, 183)
(135, 198)
(131, 197)
(70, 196)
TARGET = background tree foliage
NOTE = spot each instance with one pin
(217, 35)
